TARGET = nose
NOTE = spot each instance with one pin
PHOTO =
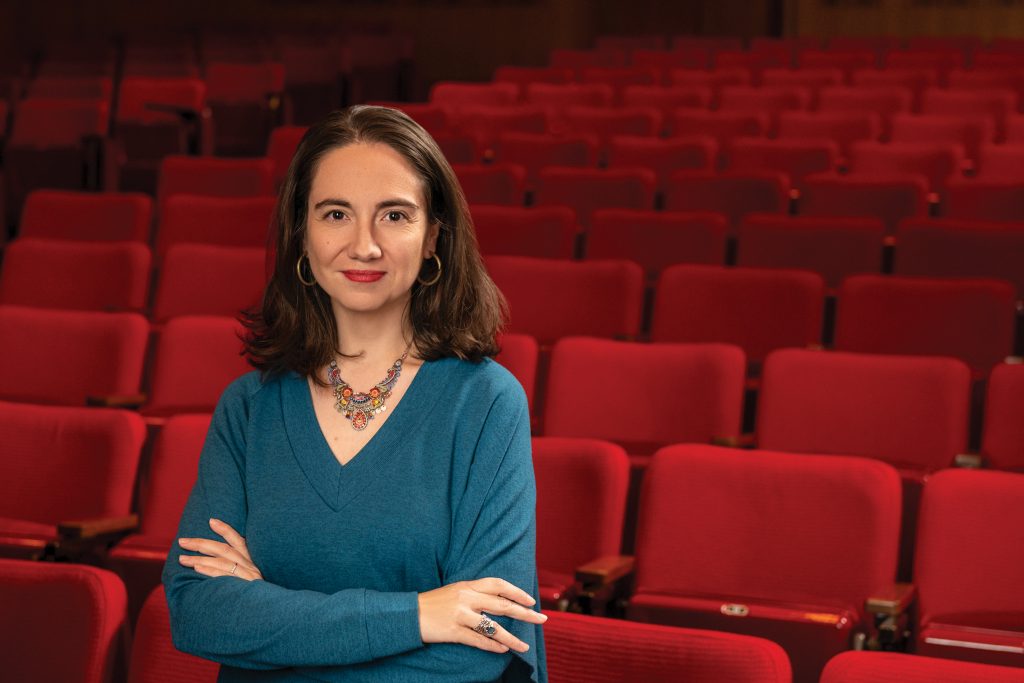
(363, 246)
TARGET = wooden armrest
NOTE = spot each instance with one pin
(1014, 360)
(604, 570)
(972, 461)
(126, 401)
(97, 528)
(741, 441)
(892, 601)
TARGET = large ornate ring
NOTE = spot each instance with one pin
(486, 627)
(234, 568)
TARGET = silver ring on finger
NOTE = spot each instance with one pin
(486, 627)
(234, 568)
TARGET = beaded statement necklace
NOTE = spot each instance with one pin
(359, 407)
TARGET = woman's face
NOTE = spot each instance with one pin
(367, 229)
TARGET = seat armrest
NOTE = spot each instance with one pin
(97, 528)
(892, 601)
(741, 441)
(131, 401)
(604, 571)
(187, 114)
(972, 461)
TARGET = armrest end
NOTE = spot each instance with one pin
(604, 570)
(893, 601)
(972, 461)
(82, 529)
(131, 401)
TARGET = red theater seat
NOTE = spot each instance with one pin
(667, 99)
(706, 382)
(970, 527)
(453, 94)
(214, 177)
(203, 279)
(950, 247)
(284, 140)
(64, 357)
(840, 127)
(154, 658)
(795, 158)
(971, 133)
(581, 503)
(585, 649)
(63, 464)
(972, 320)
(865, 196)
(698, 153)
(769, 562)
(551, 298)
(985, 200)
(222, 221)
(94, 276)
(896, 667)
(493, 184)
(657, 239)
(883, 100)
(82, 644)
(756, 309)
(524, 75)
(723, 126)
(909, 412)
(938, 162)
(832, 247)
(558, 96)
(535, 151)
(589, 189)
(196, 358)
(734, 194)
(245, 100)
(541, 231)
(99, 217)
(716, 79)
(519, 355)
(170, 475)
(603, 123)
(1002, 439)
(995, 103)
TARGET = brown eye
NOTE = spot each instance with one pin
(395, 216)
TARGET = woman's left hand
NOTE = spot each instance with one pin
(220, 559)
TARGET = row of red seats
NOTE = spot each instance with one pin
(580, 649)
(815, 601)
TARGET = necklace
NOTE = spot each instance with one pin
(359, 407)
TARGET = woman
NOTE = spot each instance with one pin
(365, 503)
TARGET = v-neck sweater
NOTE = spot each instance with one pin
(443, 492)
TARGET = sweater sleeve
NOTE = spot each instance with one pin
(493, 534)
(256, 624)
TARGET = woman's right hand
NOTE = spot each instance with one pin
(450, 614)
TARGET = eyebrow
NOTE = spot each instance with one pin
(380, 205)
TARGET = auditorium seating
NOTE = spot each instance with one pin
(495, 184)
(66, 357)
(63, 464)
(864, 196)
(1002, 441)
(587, 190)
(82, 645)
(842, 128)
(663, 156)
(214, 177)
(896, 667)
(167, 480)
(196, 358)
(970, 527)
(581, 504)
(657, 239)
(245, 102)
(769, 562)
(832, 247)
(550, 298)
(935, 161)
(519, 355)
(723, 126)
(758, 310)
(984, 200)
(542, 231)
(972, 320)
(95, 276)
(586, 649)
(99, 217)
(203, 279)
(795, 158)
(734, 194)
(154, 659)
(534, 151)
(283, 142)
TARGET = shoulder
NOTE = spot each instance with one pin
(485, 382)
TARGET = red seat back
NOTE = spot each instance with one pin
(224, 221)
(172, 474)
(1002, 439)
(154, 657)
(203, 279)
(103, 216)
(899, 667)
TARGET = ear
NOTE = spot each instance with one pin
(430, 241)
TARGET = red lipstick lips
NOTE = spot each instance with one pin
(363, 275)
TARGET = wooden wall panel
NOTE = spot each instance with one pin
(985, 18)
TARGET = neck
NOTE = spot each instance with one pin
(375, 338)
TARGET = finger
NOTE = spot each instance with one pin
(496, 586)
(496, 604)
(474, 639)
(213, 549)
(209, 566)
(228, 533)
(501, 635)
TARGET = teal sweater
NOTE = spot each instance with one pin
(444, 492)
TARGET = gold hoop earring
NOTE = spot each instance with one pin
(437, 277)
(298, 271)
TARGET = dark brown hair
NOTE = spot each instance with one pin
(459, 316)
